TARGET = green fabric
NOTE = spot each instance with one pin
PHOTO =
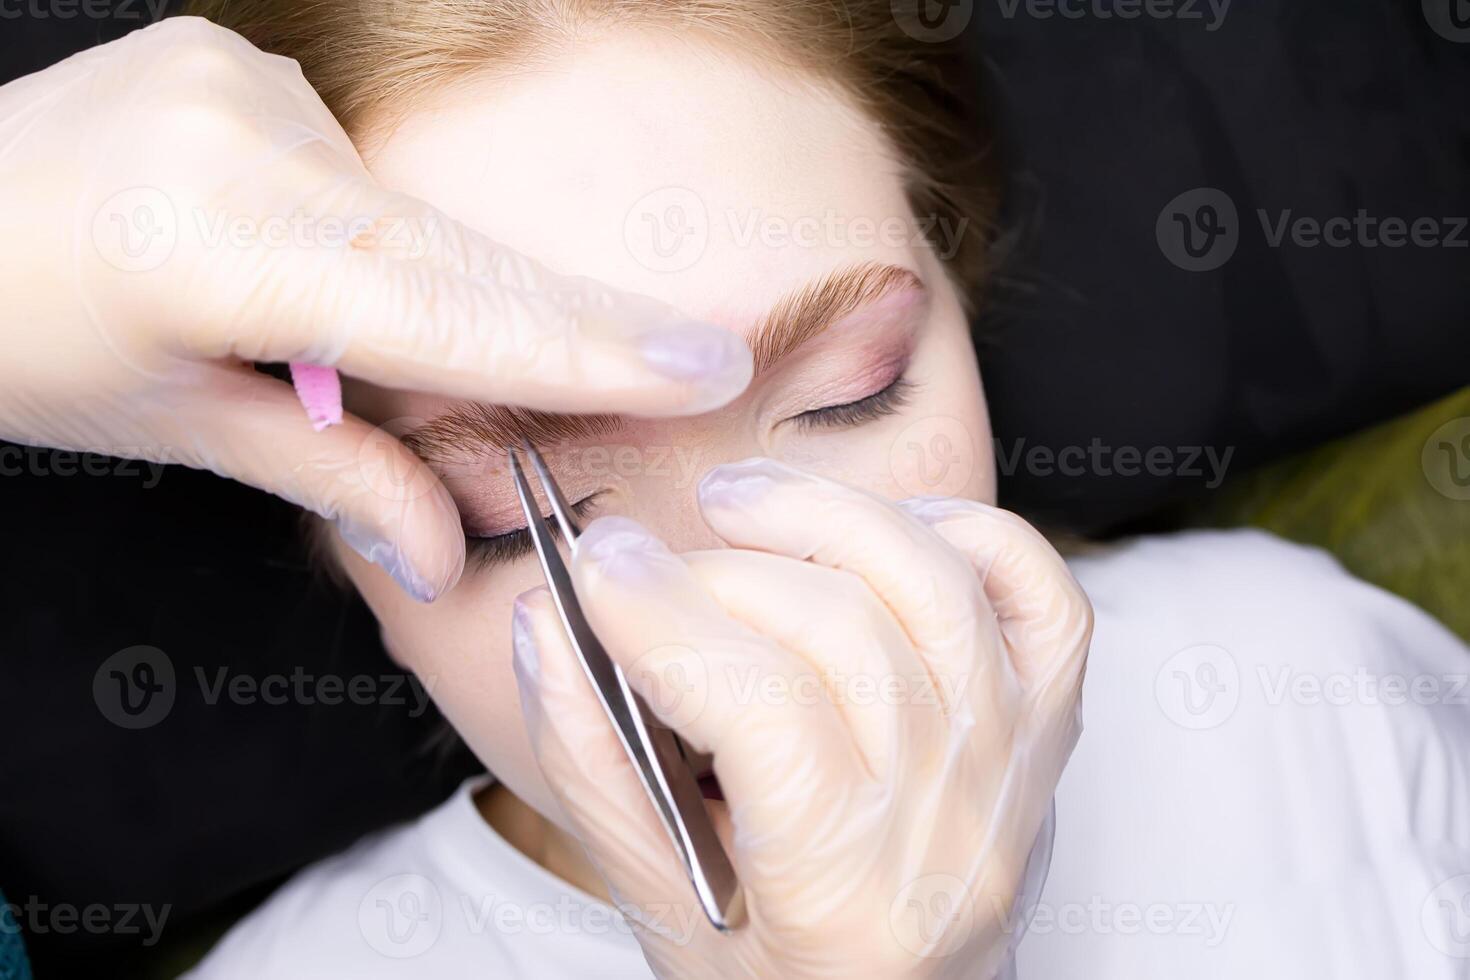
(13, 962)
(1392, 503)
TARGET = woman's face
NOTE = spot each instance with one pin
(738, 194)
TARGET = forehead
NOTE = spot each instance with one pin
(702, 176)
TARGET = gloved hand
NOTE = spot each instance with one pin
(889, 694)
(178, 205)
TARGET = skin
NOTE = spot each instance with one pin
(551, 162)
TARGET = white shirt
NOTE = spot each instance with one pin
(442, 897)
(1274, 782)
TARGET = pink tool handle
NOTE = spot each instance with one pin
(320, 391)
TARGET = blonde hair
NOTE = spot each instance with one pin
(370, 60)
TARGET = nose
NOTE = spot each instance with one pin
(669, 507)
(660, 474)
(682, 531)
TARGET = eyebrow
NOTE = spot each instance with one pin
(794, 320)
(801, 315)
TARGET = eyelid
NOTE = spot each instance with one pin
(884, 401)
(511, 545)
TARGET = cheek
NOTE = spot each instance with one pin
(460, 649)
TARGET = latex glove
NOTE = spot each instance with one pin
(889, 693)
(178, 204)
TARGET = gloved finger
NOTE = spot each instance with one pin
(706, 676)
(479, 321)
(586, 768)
(764, 505)
(860, 655)
(331, 269)
(1046, 622)
(387, 505)
(1044, 614)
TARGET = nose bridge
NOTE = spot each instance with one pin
(662, 475)
(676, 521)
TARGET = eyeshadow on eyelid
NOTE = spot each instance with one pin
(485, 533)
(516, 543)
(885, 361)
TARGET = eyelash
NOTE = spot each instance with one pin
(875, 406)
(513, 545)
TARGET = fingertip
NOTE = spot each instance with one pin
(691, 350)
(532, 601)
(742, 483)
(713, 364)
(434, 540)
(525, 655)
(385, 503)
(931, 509)
(374, 546)
(620, 548)
(418, 542)
(319, 389)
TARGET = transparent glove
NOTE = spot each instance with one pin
(888, 694)
(179, 205)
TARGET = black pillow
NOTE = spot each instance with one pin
(1126, 372)
(189, 712)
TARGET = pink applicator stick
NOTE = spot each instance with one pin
(320, 391)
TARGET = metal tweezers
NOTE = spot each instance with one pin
(654, 750)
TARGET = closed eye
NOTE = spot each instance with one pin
(511, 546)
(879, 404)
